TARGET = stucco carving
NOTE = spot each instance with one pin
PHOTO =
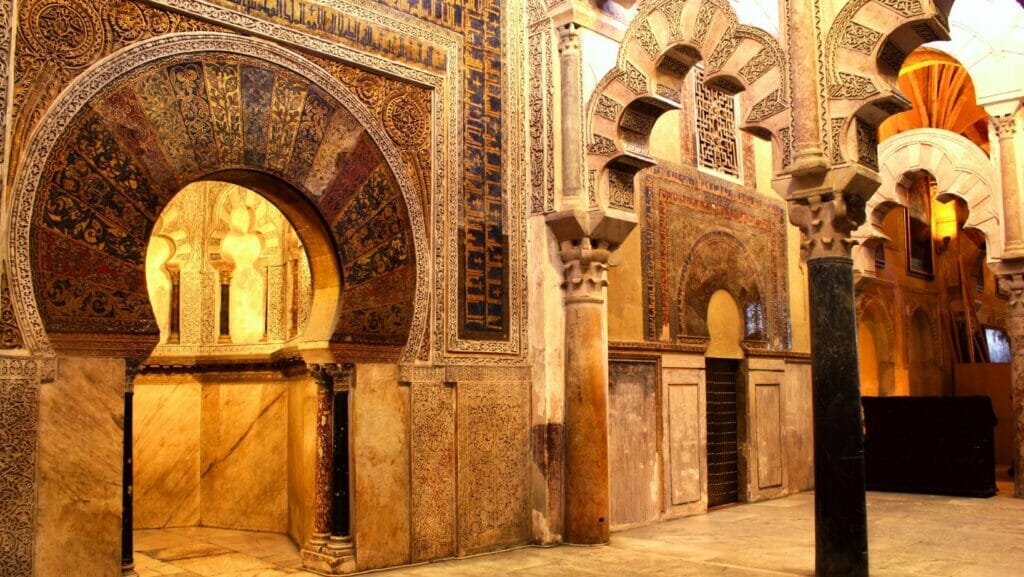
(493, 445)
(19, 413)
(759, 70)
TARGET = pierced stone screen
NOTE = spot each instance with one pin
(717, 147)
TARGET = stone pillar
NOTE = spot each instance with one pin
(800, 31)
(1014, 284)
(587, 493)
(324, 454)
(586, 238)
(324, 554)
(1005, 127)
(571, 102)
(127, 475)
(840, 510)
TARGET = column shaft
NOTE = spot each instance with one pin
(127, 481)
(572, 113)
(1013, 237)
(1017, 394)
(324, 454)
(587, 493)
(840, 511)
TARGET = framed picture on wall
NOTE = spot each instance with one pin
(920, 255)
(998, 344)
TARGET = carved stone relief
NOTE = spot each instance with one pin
(493, 444)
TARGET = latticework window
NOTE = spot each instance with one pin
(717, 143)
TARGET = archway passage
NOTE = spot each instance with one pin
(234, 118)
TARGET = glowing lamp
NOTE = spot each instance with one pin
(944, 222)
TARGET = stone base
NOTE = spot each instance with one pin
(337, 557)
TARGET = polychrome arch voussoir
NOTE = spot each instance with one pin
(84, 101)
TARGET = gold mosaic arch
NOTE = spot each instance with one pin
(864, 49)
(104, 74)
(960, 169)
(659, 48)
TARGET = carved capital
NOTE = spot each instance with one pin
(132, 368)
(569, 39)
(1005, 126)
(327, 375)
(585, 267)
(826, 223)
(1014, 285)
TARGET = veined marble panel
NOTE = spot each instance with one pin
(380, 444)
(244, 457)
(301, 457)
(81, 417)
(166, 453)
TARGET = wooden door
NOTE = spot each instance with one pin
(633, 443)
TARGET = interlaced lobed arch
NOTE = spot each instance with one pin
(960, 169)
(661, 45)
(124, 137)
(864, 50)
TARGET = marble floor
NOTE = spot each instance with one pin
(209, 552)
(910, 536)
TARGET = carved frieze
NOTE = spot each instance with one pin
(853, 86)
(633, 79)
(860, 38)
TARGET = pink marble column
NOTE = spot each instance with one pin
(326, 554)
(324, 454)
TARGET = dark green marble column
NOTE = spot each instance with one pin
(127, 543)
(840, 510)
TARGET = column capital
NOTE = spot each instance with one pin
(1005, 126)
(569, 38)
(132, 368)
(826, 224)
(1014, 285)
(327, 374)
(585, 268)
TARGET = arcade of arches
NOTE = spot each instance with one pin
(402, 281)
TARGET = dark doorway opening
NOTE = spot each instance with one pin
(722, 433)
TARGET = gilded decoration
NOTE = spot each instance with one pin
(701, 234)
(138, 143)
(116, 145)
(427, 45)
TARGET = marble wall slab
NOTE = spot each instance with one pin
(244, 456)
(380, 445)
(166, 453)
(301, 457)
(79, 465)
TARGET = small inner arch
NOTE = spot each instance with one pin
(226, 269)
